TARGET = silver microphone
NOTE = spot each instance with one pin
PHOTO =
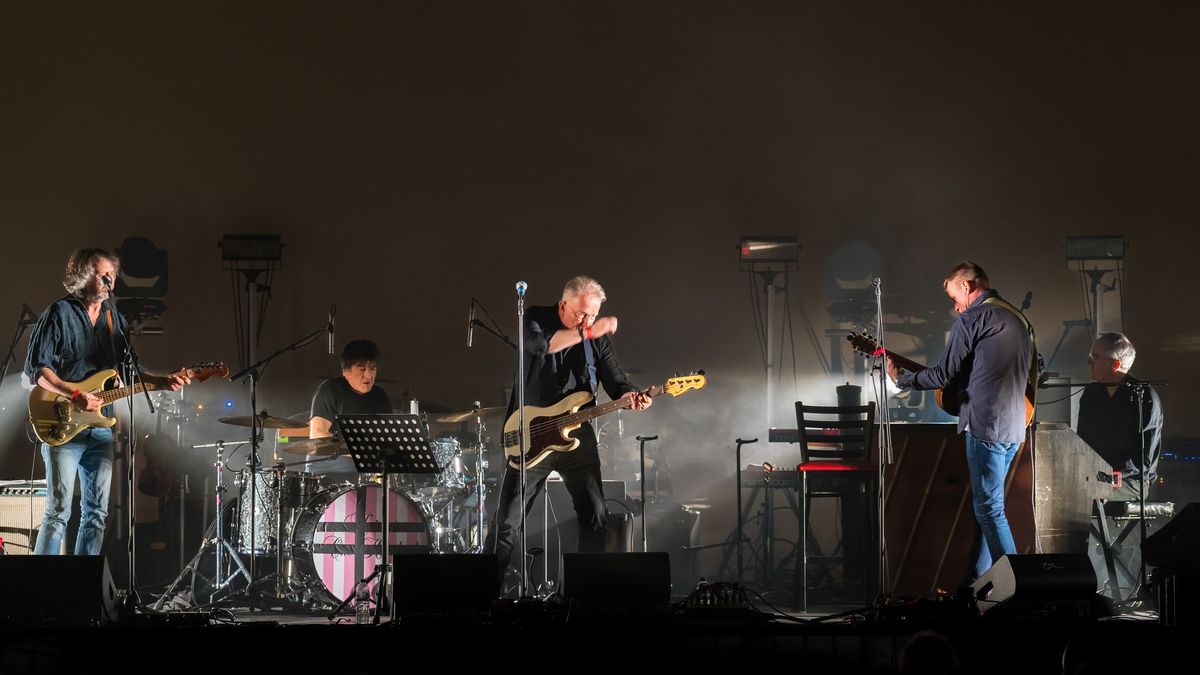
(521, 286)
(471, 322)
(330, 327)
(106, 281)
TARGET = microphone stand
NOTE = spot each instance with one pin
(22, 324)
(885, 442)
(254, 372)
(521, 431)
(131, 373)
(1139, 394)
(473, 322)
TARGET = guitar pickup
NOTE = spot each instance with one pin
(62, 411)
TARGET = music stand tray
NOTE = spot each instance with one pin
(386, 444)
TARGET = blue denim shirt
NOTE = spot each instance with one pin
(66, 342)
(989, 349)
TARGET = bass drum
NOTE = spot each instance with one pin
(336, 540)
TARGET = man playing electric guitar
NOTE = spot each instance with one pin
(76, 337)
(567, 350)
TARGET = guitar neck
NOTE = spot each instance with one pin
(113, 395)
(603, 409)
(905, 363)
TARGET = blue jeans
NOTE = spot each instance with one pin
(89, 456)
(988, 464)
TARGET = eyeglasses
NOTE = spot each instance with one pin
(581, 316)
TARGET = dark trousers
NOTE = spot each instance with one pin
(580, 471)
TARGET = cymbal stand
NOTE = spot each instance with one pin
(479, 481)
(220, 545)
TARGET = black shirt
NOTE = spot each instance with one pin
(336, 397)
(65, 341)
(551, 377)
(1110, 425)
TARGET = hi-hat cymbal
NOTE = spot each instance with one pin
(467, 415)
(327, 445)
(264, 420)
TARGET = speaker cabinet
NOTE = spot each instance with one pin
(617, 579)
(1177, 544)
(21, 514)
(1037, 581)
(436, 584)
(61, 590)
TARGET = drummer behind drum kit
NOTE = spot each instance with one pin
(330, 531)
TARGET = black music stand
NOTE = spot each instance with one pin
(385, 444)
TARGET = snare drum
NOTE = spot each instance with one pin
(336, 540)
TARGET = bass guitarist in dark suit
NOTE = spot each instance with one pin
(568, 349)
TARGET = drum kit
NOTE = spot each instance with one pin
(324, 534)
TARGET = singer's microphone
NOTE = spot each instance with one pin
(107, 282)
(332, 313)
(28, 315)
(521, 286)
(471, 322)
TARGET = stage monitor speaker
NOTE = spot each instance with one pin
(56, 590)
(1036, 580)
(19, 515)
(1176, 545)
(445, 583)
(621, 579)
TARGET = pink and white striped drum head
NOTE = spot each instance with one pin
(337, 537)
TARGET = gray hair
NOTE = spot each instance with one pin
(1119, 348)
(586, 286)
(82, 265)
(969, 271)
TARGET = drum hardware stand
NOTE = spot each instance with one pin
(214, 536)
(253, 372)
(408, 453)
(477, 547)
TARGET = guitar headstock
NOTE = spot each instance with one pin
(863, 343)
(202, 371)
(679, 384)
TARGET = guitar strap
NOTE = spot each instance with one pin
(1031, 383)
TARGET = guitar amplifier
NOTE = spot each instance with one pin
(21, 507)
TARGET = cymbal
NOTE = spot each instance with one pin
(327, 445)
(467, 415)
(264, 420)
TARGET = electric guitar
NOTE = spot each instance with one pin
(547, 429)
(56, 420)
(949, 399)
